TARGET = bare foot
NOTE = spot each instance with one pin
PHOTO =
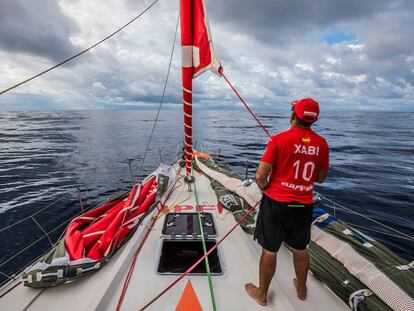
(300, 292)
(253, 292)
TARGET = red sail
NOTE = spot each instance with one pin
(197, 57)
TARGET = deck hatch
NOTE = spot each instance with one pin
(186, 226)
(182, 245)
(179, 255)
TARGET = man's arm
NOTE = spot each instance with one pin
(262, 174)
(321, 176)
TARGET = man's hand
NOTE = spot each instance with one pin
(321, 176)
(262, 174)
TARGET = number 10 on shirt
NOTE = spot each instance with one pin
(307, 170)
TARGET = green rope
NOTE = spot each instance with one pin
(210, 282)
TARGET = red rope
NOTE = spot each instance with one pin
(132, 266)
(247, 107)
(200, 260)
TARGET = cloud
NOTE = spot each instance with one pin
(282, 21)
(347, 54)
(36, 28)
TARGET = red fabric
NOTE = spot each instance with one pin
(297, 155)
(306, 109)
(195, 38)
(100, 231)
(195, 32)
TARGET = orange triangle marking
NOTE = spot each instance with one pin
(188, 300)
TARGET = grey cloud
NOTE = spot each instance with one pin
(271, 50)
(36, 27)
(286, 21)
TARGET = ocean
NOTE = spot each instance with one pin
(48, 160)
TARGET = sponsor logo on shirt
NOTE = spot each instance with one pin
(297, 187)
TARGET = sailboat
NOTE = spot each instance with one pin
(182, 238)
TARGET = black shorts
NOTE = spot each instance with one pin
(279, 222)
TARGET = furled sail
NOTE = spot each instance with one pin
(92, 238)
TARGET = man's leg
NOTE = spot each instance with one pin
(266, 272)
(301, 264)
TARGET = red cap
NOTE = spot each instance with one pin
(306, 109)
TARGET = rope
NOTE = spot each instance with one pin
(132, 266)
(203, 240)
(82, 52)
(35, 213)
(162, 98)
(174, 205)
(406, 236)
(247, 106)
(368, 218)
(201, 259)
(379, 231)
(30, 245)
(42, 237)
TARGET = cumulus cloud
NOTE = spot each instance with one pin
(360, 53)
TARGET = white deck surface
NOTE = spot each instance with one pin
(240, 256)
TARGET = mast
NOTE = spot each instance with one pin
(197, 57)
(186, 20)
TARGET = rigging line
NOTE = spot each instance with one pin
(44, 236)
(200, 259)
(162, 98)
(57, 240)
(203, 241)
(82, 52)
(247, 106)
(30, 245)
(379, 231)
(348, 209)
(133, 263)
(367, 217)
(35, 213)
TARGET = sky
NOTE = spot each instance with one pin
(347, 54)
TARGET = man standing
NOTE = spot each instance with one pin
(294, 159)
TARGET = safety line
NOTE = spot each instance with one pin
(35, 213)
(368, 218)
(132, 266)
(201, 259)
(203, 240)
(406, 236)
(245, 105)
(82, 52)
(162, 99)
(380, 232)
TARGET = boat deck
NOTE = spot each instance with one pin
(240, 257)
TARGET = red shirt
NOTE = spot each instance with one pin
(297, 155)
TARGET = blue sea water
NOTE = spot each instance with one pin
(46, 156)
